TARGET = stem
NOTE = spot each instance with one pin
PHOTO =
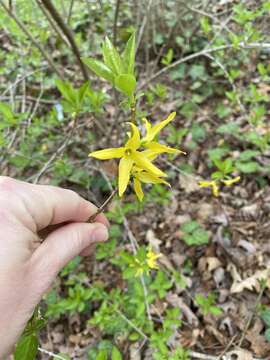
(68, 33)
(133, 110)
(102, 207)
(117, 7)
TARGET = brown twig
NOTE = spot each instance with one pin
(117, 8)
(53, 25)
(57, 153)
(67, 32)
(103, 206)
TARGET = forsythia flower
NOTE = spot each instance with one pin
(138, 164)
(140, 176)
(213, 184)
(229, 182)
(152, 259)
(130, 156)
(147, 264)
(152, 132)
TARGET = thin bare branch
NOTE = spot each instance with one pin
(203, 52)
(116, 13)
(31, 38)
(67, 32)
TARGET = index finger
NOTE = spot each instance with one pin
(48, 205)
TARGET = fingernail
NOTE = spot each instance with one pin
(100, 233)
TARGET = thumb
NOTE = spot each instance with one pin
(61, 246)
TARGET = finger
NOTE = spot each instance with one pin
(61, 246)
(46, 205)
(49, 229)
(89, 250)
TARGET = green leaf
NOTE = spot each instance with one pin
(129, 55)
(26, 348)
(266, 317)
(116, 355)
(66, 90)
(267, 335)
(200, 237)
(6, 111)
(82, 91)
(247, 167)
(111, 57)
(99, 69)
(190, 226)
(102, 355)
(248, 154)
(230, 128)
(215, 310)
(126, 83)
(63, 356)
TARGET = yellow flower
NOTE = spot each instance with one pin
(152, 132)
(213, 184)
(152, 259)
(229, 182)
(147, 178)
(129, 156)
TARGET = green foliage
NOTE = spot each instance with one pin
(78, 100)
(117, 70)
(27, 346)
(167, 58)
(194, 234)
(265, 315)
(223, 117)
(207, 304)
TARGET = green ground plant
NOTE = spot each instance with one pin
(234, 135)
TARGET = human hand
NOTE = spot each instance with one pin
(29, 266)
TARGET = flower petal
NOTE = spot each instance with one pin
(138, 189)
(150, 154)
(215, 189)
(158, 127)
(229, 182)
(144, 163)
(106, 154)
(125, 166)
(148, 178)
(148, 127)
(134, 140)
(159, 148)
(205, 183)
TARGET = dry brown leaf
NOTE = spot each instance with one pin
(153, 241)
(134, 351)
(209, 263)
(217, 334)
(252, 282)
(176, 301)
(239, 355)
(259, 344)
(188, 183)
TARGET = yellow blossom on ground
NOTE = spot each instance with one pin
(213, 184)
(152, 259)
(229, 182)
